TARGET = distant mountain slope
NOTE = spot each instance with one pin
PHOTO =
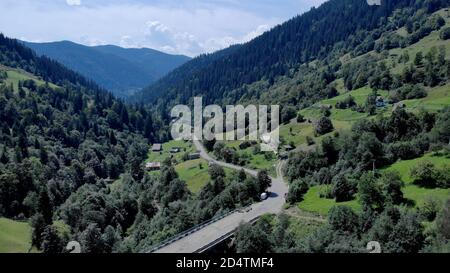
(323, 33)
(120, 70)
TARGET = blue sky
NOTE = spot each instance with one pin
(187, 27)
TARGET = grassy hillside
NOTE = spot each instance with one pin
(186, 147)
(16, 75)
(15, 237)
(194, 173)
(312, 202)
(437, 98)
(414, 192)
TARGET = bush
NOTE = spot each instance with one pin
(408, 92)
(346, 103)
(343, 189)
(443, 221)
(296, 191)
(430, 208)
(343, 219)
(326, 192)
(288, 113)
(427, 175)
(323, 126)
(443, 177)
(424, 174)
(445, 33)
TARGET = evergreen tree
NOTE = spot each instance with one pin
(263, 181)
(45, 207)
(51, 242)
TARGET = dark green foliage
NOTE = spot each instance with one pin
(343, 219)
(441, 131)
(407, 92)
(430, 208)
(38, 225)
(398, 231)
(45, 207)
(323, 126)
(443, 221)
(51, 242)
(263, 181)
(427, 175)
(348, 102)
(343, 188)
(445, 33)
(330, 150)
(288, 113)
(91, 240)
(392, 184)
(370, 192)
(216, 171)
(296, 191)
(254, 239)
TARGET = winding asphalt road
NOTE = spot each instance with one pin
(201, 238)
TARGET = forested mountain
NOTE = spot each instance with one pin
(72, 164)
(334, 28)
(60, 134)
(120, 70)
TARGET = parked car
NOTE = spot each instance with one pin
(264, 196)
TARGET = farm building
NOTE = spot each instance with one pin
(153, 166)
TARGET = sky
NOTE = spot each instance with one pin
(188, 27)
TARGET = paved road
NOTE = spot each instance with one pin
(211, 233)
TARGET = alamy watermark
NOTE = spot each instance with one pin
(239, 122)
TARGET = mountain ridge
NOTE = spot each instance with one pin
(336, 25)
(120, 70)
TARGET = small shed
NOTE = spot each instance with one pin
(153, 166)
(157, 147)
(193, 156)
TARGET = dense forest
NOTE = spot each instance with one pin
(57, 141)
(71, 158)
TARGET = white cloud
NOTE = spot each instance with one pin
(73, 2)
(255, 33)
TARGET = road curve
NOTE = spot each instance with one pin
(216, 230)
